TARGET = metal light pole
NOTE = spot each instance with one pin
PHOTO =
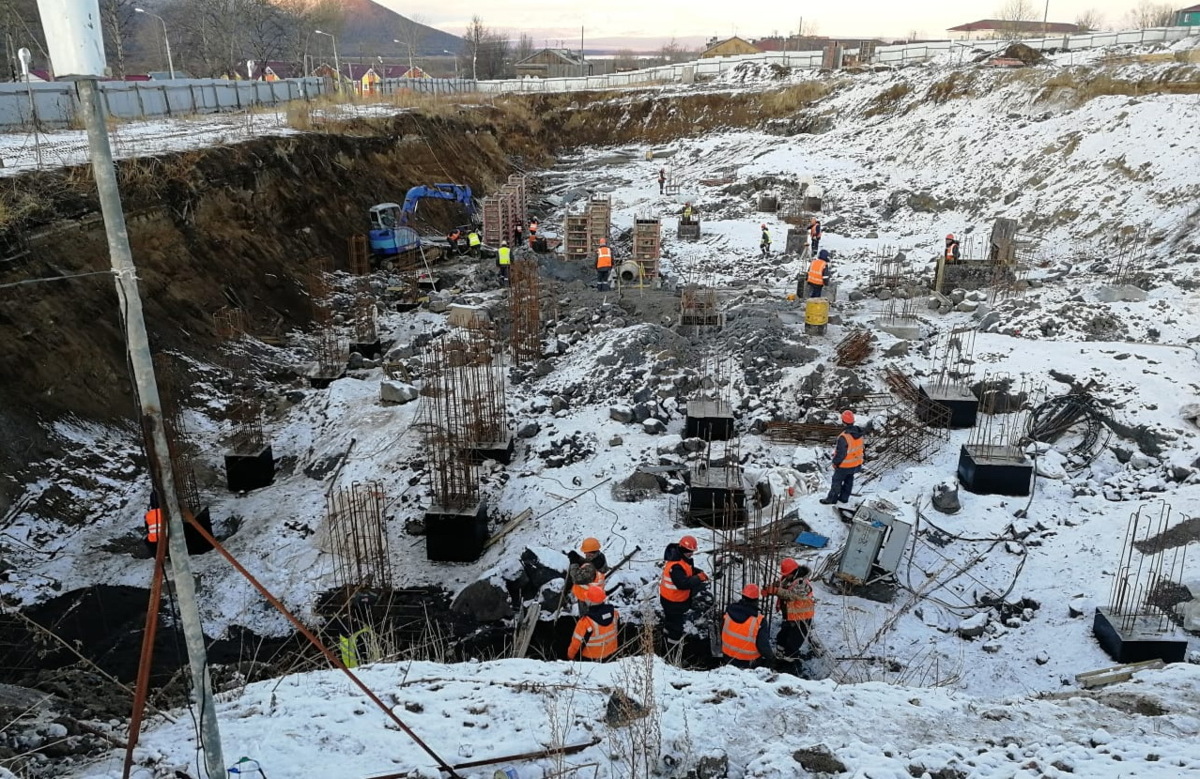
(166, 40)
(337, 65)
(1046, 21)
(410, 56)
(72, 29)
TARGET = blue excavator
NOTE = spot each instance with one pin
(390, 234)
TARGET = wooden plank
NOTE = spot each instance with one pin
(1113, 674)
(508, 528)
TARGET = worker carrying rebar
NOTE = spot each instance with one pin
(585, 570)
(678, 589)
(847, 461)
(662, 180)
(595, 635)
(814, 234)
(503, 260)
(818, 274)
(473, 243)
(604, 263)
(764, 243)
(797, 606)
(953, 251)
(533, 230)
(743, 639)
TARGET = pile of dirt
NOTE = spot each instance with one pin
(1019, 51)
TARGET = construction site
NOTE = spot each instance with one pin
(387, 441)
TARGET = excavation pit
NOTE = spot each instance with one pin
(370, 350)
(711, 420)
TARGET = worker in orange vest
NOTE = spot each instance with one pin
(797, 606)
(818, 275)
(604, 263)
(595, 633)
(533, 229)
(814, 234)
(154, 527)
(743, 639)
(953, 251)
(452, 239)
(662, 179)
(847, 461)
(680, 583)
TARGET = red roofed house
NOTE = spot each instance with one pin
(1002, 28)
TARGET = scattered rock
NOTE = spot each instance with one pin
(483, 601)
(973, 627)
(616, 441)
(620, 413)
(622, 710)
(1100, 736)
(654, 426)
(898, 349)
(558, 403)
(991, 647)
(1080, 606)
(528, 430)
(819, 760)
(1041, 658)
(396, 392)
(1125, 293)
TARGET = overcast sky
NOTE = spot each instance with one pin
(561, 19)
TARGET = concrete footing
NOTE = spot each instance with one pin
(245, 472)
(1137, 638)
(716, 497)
(711, 420)
(994, 470)
(500, 451)
(960, 401)
(456, 535)
(904, 329)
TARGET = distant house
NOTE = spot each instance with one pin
(414, 72)
(1001, 28)
(730, 47)
(553, 63)
(1188, 17)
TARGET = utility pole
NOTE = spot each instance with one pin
(72, 29)
(581, 71)
(1046, 21)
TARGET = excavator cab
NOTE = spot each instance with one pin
(388, 235)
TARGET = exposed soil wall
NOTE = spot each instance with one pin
(230, 225)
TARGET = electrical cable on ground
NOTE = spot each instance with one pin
(56, 278)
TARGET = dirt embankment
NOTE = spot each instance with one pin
(230, 225)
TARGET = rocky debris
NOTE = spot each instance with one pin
(1124, 293)
(639, 486)
(654, 426)
(397, 392)
(819, 760)
(483, 601)
(973, 627)
(528, 430)
(1026, 54)
(569, 450)
(1080, 606)
(621, 710)
(945, 498)
(620, 413)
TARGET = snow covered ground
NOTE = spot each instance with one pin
(1002, 705)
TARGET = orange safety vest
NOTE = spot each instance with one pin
(153, 525)
(950, 247)
(604, 257)
(580, 590)
(667, 588)
(802, 608)
(816, 273)
(814, 230)
(533, 226)
(738, 639)
(854, 451)
(601, 644)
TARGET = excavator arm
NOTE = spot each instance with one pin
(457, 192)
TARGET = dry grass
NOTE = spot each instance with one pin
(1082, 85)
(887, 101)
(957, 85)
(791, 99)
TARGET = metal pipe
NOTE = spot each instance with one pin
(142, 366)
(146, 658)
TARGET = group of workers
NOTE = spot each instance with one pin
(683, 589)
(814, 238)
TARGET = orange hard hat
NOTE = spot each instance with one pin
(788, 566)
(764, 225)
(688, 543)
(590, 545)
(950, 237)
(848, 417)
(750, 591)
(594, 594)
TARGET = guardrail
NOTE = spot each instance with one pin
(55, 103)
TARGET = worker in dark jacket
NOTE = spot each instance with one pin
(743, 639)
(595, 636)
(680, 583)
(764, 241)
(847, 461)
(814, 234)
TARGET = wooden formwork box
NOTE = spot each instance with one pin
(577, 244)
(493, 221)
(599, 220)
(647, 246)
(517, 182)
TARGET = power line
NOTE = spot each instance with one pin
(56, 278)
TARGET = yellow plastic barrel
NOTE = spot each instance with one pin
(816, 312)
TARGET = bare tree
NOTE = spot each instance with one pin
(118, 19)
(1089, 20)
(1147, 14)
(473, 40)
(625, 59)
(1014, 14)
(411, 35)
(674, 51)
(525, 47)
(264, 31)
